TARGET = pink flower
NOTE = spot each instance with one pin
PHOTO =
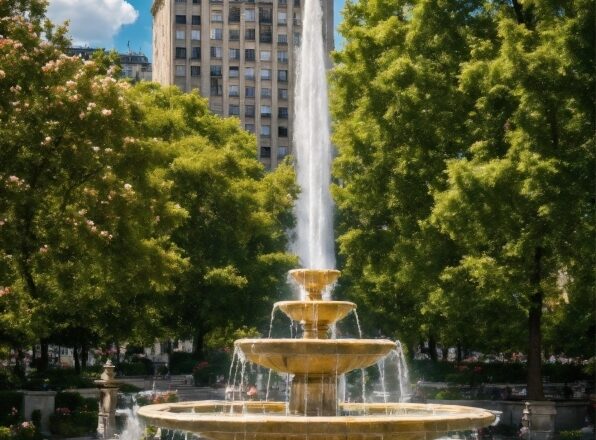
(106, 112)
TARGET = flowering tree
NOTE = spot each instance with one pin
(85, 217)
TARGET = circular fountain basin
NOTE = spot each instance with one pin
(322, 312)
(314, 356)
(217, 420)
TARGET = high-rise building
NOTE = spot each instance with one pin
(240, 54)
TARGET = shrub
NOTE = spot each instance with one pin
(128, 388)
(73, 424)
(136, 367)
(5, 433)
(70, 400)
(10, 404)
(448, 394)
(570, 435)
(182, 363)
(9, 380)
(60, 379)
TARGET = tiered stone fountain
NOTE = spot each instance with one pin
(313, 411)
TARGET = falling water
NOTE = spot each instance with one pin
(133, 429)
(404, 374)
(314, 243)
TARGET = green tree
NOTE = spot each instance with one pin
(235, 234)
(465, 169)
(397, 106)
(521, 203)
(79, 195)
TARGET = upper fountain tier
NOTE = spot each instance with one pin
(314, 281)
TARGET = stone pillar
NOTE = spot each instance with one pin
(313, 395)
(43, 401)
(542, 419)
(106, 426)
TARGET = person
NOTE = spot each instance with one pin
(251, 392)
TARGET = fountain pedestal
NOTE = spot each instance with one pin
(106, 426)
(313, 395)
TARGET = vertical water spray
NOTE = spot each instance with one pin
(314, 208)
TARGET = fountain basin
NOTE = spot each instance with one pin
(314, 280)
(327, 312)
(218, 420)
(314, 356)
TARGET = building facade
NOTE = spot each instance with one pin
(135, 65)
(239, 54)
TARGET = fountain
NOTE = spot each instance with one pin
(316, 363)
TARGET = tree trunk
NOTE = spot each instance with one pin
(198, 343)
(44, 359)
(84, 356)
(77, 362)
(445, 353)
(460, 352)
(535, 391)
(117, 353)
(519, 12)
(432, 348)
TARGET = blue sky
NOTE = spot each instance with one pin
(116, 23)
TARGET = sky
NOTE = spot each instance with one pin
(119, 24)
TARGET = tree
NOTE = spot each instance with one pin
(235, 234)
(521, 203)
(394, 92)
(465, 183)
(79, 194)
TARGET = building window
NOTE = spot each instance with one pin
(249, 92)
(282, 2)
(265, 15)
(234, 72)
(234, 14)
(265, 55)
(181, 52)
(234, 54)
(249, 15)
(196, 20)
(180, 19)
(196, 2)
(249, 34)
(282, 132)
(249, 111)
(265, 33)
(297, 38)
(265, 111)
(249, 54)
(265, 130)
(296, 3)
(180, 70)
(234, 110)
(180, 35)
(282, 18)
(249, 73)
(249, 127)
(195, 53)
(234, 35)
(180, 1)
(216, 16)
(234, 90)
(215, 71)
(282, 56)
(217, 34)
(265, 74)
(216, 52)
(216, 86)
(282, 75)
(265, 92)
(282, 113)
(195, 70)
(282, 94)
(195, 35)
(282, 152)
(282, 39)
(265, 152)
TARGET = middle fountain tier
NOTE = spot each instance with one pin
(315, 361)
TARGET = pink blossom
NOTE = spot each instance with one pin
(127, 186)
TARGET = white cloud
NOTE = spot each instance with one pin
(93, 22)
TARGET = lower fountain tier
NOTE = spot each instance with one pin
(314, 356)
(216, 420)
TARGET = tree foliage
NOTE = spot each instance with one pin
(124, 211)
(465, 132)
